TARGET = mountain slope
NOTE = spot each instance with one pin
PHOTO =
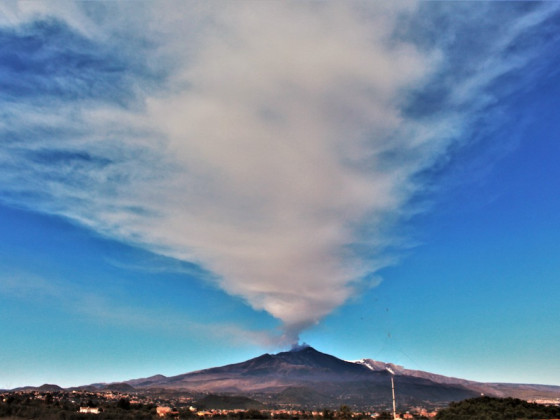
(523, 391)
(307, 376)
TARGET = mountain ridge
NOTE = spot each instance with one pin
(308, 378)
(318, 373)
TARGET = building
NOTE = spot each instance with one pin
(163, 411)
(90, 410)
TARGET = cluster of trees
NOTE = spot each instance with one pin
(488, 408)
(24, 407)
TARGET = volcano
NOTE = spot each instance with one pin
(307, 377)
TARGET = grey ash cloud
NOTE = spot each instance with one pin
(274, 144)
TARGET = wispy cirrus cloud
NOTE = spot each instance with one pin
(275, 145)
(102, 310)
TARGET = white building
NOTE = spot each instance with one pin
(90, 410)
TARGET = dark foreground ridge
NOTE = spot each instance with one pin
(497, 409)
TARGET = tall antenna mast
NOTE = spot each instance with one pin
(393, 390)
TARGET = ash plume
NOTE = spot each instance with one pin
(270, 143)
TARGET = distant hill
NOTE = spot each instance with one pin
(42, 388)
(49, 388)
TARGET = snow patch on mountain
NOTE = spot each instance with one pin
(377, 366)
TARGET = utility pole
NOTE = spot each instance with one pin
(393, 391)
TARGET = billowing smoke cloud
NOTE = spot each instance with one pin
(267, 142)
(276, 137)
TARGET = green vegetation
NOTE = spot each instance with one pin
(488, 408)
(65, 406)
(49, 407)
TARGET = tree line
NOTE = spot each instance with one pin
(489, 408)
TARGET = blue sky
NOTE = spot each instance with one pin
(183, 186)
